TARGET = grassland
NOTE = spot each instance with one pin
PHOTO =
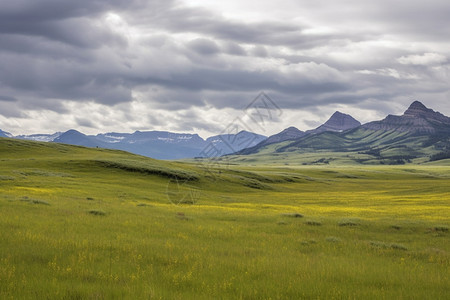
(81, 223)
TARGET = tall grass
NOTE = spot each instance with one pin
(112, 233)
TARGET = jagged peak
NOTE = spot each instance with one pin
(338, 113)
(417, 108)
(418, 105)
(341, 117)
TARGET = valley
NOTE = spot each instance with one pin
(103, 224)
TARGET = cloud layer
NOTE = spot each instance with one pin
(101, 65)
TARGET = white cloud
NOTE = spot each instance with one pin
(389, 72)
(426, 59)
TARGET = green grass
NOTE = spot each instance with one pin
(80, 223)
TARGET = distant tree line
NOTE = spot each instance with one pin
(439, 141)
(373, 152)
(441, 155)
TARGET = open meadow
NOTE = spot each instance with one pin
(79, 223)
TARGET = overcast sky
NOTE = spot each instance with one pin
(194, 65)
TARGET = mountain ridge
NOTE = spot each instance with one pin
(155, 144)
(340, 132)
(338, 122)
(417, 119)
(420, 133)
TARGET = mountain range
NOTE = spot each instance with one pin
(417, 119)
(420, 132)
(155, 144)
(338, 122)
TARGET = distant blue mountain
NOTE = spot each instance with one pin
(156, 144)
(231, 143)
(74, 137)
(5, 134)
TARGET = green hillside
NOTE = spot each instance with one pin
(81, 223)
(418, 136)
(357, 146)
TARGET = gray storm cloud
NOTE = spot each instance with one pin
(169, 55)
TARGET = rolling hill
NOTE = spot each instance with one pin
(88, 223)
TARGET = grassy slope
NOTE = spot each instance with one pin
(240, 239)
(358, 146)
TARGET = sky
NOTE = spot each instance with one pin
(195, 66)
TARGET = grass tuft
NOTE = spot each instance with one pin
(35, 201)
(332, 239)
(398, 247)
(349, 222)
(382, 245)
(293, 215)
(97, 212)
(440, 228)
(309, 242)
(313, 223)
(181, 216)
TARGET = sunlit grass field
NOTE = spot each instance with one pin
(80, 223)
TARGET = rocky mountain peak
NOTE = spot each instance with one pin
(417, 105)
(342, 119)
(338, 122)
(417, 119)
(418, 109)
